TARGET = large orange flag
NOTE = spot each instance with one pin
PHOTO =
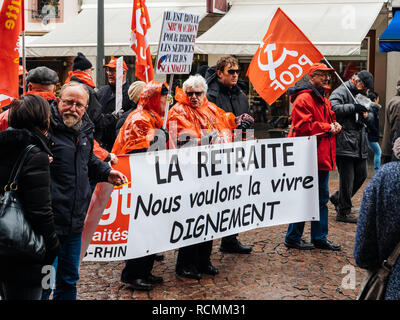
(139, 41)
(283, 58)
(11, 25)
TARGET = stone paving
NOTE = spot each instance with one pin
(270, 272)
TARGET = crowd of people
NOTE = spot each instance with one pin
(78, 134)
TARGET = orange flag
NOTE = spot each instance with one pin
(139, 41)
(11, 25)
(283, 58)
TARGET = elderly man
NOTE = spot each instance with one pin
(223, 90)
(42, 82)
(392, 124)
(312, 115)
(352, 143)
(74, 162)
(106, 97)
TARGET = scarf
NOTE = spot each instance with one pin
(82, 76)
(44, 94)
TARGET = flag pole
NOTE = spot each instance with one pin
(23, 63)
(330, 66)
(169, 100)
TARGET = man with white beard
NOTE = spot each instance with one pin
(71, 132)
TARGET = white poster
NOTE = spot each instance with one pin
(177, 41)
(190, 195)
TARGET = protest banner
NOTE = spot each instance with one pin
(11, 25)
(118, 84)
(283, 58)
(177, 41)
(185, 196)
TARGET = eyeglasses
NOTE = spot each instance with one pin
(111, 71)
(197, 93)
(233, 71)
(71, 103)
(323, 75)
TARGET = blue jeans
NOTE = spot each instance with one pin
(67, 269)
(319, 229)
(377, 154)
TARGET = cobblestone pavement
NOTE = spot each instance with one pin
(271, 271)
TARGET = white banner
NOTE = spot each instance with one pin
(177, 41)
(190, 195)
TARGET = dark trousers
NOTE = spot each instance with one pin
(319, 229)
(195, 256)
(138, 268)
(226, 241)
(352, 174)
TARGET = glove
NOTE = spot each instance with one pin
(244, 121)
(360, 108)
(118, 114)
(209, 137)
(52, 249)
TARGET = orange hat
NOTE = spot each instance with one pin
(113, 64)
(319, 66)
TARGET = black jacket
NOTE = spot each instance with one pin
(352, 141)
(229, 99)
(74, 163)
(373, 123)
(106, 97)
(33, 193)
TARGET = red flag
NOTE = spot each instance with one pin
(283, 58)
(11, 25)
(139, 41)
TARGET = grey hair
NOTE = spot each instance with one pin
(75, 84)
(196, 81)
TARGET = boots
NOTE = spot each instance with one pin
(346, 217)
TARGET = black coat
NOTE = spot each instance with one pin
(74, 163)
(353, 140)
(229, 99)
(33, 193)
(106, 97)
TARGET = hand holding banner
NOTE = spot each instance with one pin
(283, 58)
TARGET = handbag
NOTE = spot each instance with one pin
(374, 287)
(18, 240)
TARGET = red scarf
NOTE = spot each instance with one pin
(44, 94)
(82, 76)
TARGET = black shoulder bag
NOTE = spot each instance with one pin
(18, 241)
(374, 287)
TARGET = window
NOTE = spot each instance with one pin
(46, 10)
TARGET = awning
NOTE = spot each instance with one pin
(80, 32)
(335, 27)
(390, 38)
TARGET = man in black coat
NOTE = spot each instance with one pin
(74, 163)
(223, 90)
(352, 143)
(106, 97)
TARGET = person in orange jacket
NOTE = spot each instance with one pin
(194, 120)
(140, 131)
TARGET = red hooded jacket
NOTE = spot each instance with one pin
(138, 129)
(312, 115)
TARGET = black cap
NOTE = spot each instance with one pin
(81, 63)
(42, 75)
(367, 78)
